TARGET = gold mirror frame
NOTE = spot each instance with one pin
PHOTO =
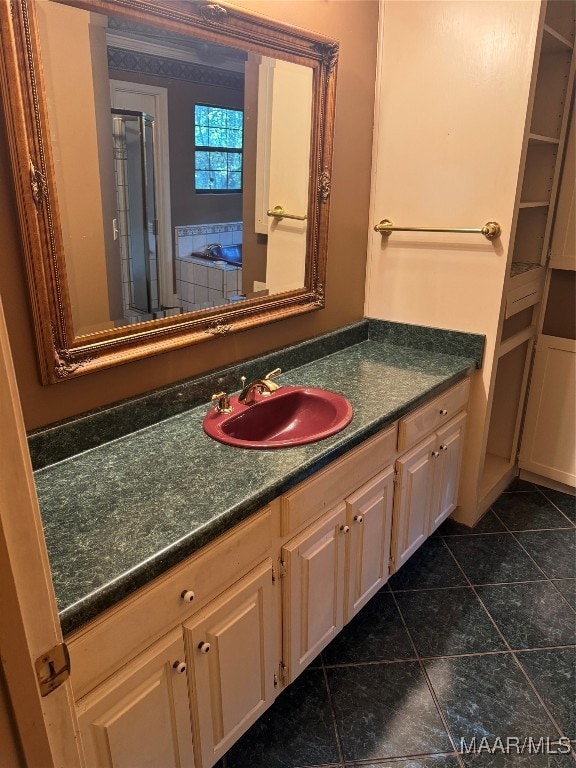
(62, 355)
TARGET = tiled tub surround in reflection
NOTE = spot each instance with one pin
(202, 283)
(447, 651)
(194, 238)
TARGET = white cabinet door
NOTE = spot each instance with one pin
(232, 650)
(549, 442)
(413, 499)
(140, 717)
(314, 588)
(369, 515)
(447, 470)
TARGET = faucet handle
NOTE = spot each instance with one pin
(222, 402)
(272, 374)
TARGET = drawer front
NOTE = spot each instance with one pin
(419, 424)
(111, 640)
(523, 297)
(337, 481)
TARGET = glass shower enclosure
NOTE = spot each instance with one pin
(133, 134)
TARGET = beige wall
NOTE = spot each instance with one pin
(354, 23)
(453, 95)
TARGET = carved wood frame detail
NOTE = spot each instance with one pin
(63, 355)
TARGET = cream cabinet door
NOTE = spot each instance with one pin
(140, 717)
(549, 440)
(314, 588)
(369, 515)
(415, 481)
(232, 649)
(447, 470)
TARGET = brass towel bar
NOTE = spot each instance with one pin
(278, 212)
(490, 230)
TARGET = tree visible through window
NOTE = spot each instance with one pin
(218, 153)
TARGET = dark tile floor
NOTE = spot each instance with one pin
(474, 637)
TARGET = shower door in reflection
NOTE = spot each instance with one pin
(137, 219)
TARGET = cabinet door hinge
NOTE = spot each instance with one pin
(281, 571)
(52, 668)
(396, 478)
(283, 672)
(391, 565)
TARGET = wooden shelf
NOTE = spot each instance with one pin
(520, 270)
(551, 92)
(560, 18)
(554, 42)
(515, 340)
(537, 204)
(537, 138)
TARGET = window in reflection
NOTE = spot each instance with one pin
(218, 148)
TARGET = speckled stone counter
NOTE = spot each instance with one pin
(121, 513)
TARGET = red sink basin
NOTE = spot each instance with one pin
(290, 416)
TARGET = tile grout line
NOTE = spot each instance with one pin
(386, 662)
(386, 760)
(428, 682)
(547, 578)
(556, 505)
(512, 653)
(339, 743)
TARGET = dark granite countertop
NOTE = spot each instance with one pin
(119, 514)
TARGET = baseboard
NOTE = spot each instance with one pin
(547, 482)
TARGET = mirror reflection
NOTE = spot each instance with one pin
(182, 168)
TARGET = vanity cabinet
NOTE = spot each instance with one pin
(140, 717)
(427, 488)
(427, 475)
(233, 662)
(314, 573)
(369, 517)
(334, 567)
(415, 476)
(341, 558)
(175, 674)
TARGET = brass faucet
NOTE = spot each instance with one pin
(265, 386)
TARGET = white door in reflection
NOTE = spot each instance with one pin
(153, 100)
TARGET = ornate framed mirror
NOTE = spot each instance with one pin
(172, 162)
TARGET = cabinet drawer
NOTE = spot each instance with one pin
(428, 418)
(523, 297)
(337, 481)
(112, 639)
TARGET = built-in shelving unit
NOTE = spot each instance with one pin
(541, 162)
